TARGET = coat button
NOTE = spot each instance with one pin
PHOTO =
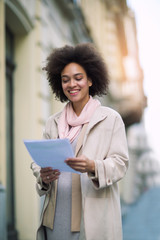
(109, 181)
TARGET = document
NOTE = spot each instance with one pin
(51, 153)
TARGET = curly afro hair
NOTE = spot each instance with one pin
(83, 54)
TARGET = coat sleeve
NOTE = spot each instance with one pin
(114, 166)
(41, 187)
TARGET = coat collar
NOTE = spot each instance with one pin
(99, 114)
(57, 116)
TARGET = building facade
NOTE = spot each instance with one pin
(29, 30)
(113, 29)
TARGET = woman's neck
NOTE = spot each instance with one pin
(77, 107)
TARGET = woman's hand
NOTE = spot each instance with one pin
(81, 164)
(48, 174)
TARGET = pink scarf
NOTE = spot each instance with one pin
(70, 124)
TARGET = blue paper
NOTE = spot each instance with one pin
(51, 153)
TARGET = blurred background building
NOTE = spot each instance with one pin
(112, 27)
(29, 30)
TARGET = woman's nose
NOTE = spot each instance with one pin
(72, 83)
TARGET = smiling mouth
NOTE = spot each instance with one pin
(73, 91)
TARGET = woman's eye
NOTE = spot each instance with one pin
(64, 80)
(79, 78)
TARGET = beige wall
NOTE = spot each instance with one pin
(25, 118)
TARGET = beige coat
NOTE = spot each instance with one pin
(105, 143)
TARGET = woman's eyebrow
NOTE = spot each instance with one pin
(76, 74)
(64, 75)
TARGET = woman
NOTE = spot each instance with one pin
(87, 205)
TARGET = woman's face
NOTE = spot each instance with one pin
(75, 84)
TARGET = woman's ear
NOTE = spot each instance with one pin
(90, 82)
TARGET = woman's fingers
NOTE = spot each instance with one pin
(48, 174)
(81, 164)
(51, 177)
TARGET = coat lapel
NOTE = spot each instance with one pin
(80, 139)
(99, 115)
